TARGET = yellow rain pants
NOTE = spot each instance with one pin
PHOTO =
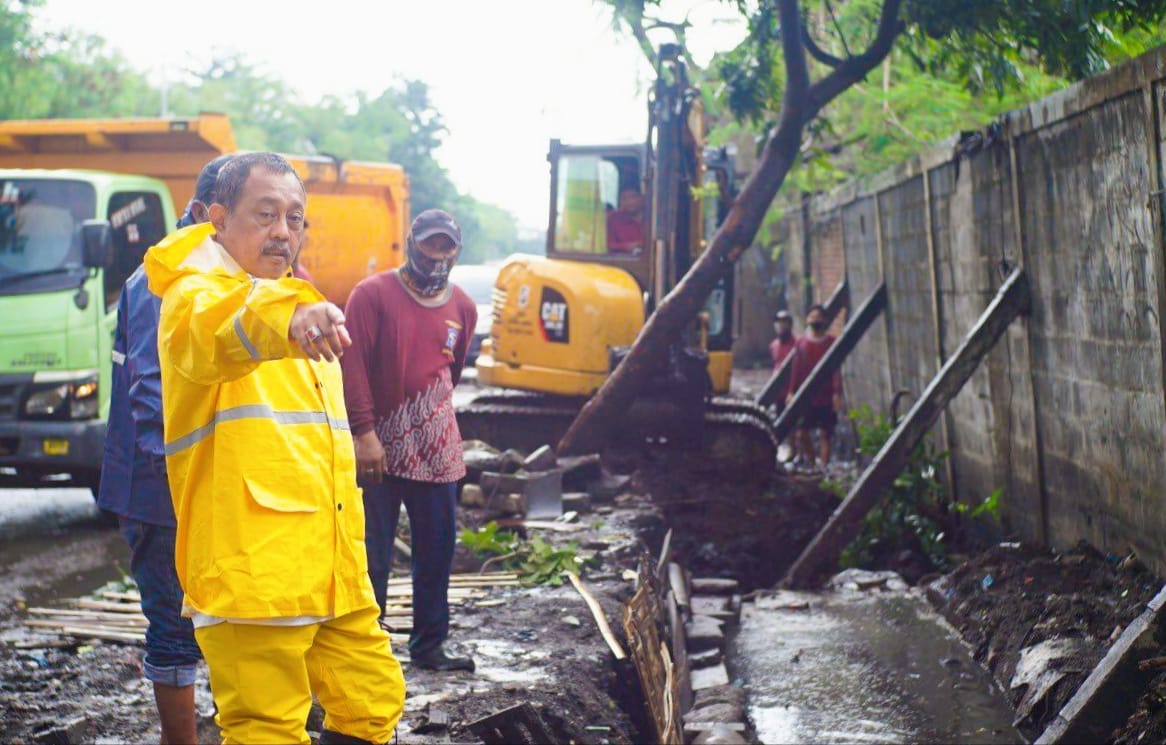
(263, 678)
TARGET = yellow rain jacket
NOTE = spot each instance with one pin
(261, 463)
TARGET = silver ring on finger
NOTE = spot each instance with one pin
(313, 334)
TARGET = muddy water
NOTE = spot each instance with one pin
(859, 667)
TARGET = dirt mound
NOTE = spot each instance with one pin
(740, 526)
(1014, 601)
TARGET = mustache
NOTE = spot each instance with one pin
(277, 246)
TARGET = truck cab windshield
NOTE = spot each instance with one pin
(40, 232)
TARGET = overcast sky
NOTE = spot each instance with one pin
(506, 75)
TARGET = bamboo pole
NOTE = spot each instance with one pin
(597, 613)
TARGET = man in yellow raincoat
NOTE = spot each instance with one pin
(270, 543)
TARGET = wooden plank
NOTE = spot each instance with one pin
(678, 585)
(822, 554)
(771, 394)
(109, 606)
(665, 557)
(856, 328)
(1107, 697)
(599, 616)
(641, 618)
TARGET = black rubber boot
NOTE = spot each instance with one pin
(436, 659)
(331, 737)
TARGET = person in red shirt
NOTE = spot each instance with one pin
(826, 399)
(625, 230)
(410, 333)
(783, 344)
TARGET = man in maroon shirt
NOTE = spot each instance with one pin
(825, 399)
(625, 230)
(410, 332)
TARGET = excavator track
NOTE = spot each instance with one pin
(737, 433)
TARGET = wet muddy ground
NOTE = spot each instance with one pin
(1041, 620)
(540, 644)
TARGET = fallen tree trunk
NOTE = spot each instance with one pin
(773, 394)
(802, 102)
(822, 554)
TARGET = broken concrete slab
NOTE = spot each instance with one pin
(864, 580)
(720, 734)
(726, 694)
(543, 459)
(517, 724)
(1109, 694)
(709, 677)
(577, 501)
(542, 492)
(714, 586)
(579, 471)
(506, 504)
(472, 496)
(706, 658)
(704, 632)
(1040, 668)
(607, 486)
(723, 713)
(70, 731)
(713, 605)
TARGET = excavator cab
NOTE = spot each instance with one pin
(625, 224)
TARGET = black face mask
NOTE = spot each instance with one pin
(818, 326)
(424, 275)
(784, 332)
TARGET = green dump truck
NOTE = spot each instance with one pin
(68, 240)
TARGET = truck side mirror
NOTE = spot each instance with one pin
(96, 244)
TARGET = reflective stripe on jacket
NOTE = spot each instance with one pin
(260, 460)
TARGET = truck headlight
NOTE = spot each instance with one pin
(71, 395)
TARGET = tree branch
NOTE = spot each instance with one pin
(855, 68)
(818, 52)
(838, 28)
(792, 50)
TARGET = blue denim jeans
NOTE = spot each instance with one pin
(172, 655)
(433, 527)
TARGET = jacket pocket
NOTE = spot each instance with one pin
(281, 492)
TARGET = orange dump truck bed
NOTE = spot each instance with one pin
(358, 212)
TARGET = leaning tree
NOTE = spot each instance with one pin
(791, 69)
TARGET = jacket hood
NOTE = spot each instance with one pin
(190, 250)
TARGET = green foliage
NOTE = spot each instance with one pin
(957, 65)
(917, 509)
(537, 561)
(545, 564)
(65, 73)
(990, 507)
(915, 505)
(487, 540)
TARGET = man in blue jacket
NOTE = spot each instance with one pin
(134, 487)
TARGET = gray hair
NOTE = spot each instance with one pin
(234, 173)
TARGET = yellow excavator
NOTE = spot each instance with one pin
(626, 222)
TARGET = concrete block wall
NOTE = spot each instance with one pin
(1068, 414)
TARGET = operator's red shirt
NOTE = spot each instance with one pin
(624, 232)
(810, 352)
(400, 372)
